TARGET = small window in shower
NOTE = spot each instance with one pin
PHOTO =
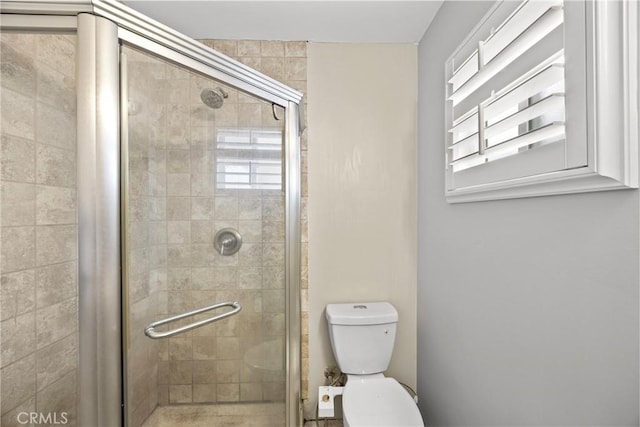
(249, 159)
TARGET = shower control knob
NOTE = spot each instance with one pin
(227, 241)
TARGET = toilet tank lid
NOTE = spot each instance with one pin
(361, 313)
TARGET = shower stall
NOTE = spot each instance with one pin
(150, 225)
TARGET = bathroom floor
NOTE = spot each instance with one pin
(218, 415)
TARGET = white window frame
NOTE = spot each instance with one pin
(608, 127)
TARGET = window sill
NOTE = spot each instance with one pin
(580, 180)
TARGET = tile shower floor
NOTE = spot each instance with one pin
(218, 415)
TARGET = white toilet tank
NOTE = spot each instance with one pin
(362, 336)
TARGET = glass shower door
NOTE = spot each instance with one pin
(202, 163)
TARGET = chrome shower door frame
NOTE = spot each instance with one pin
(102, 26)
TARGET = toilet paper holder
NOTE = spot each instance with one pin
(326, 396)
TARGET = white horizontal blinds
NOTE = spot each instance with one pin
(521, 23)
(507, 128)
(465, 135)
(504, 98)
(249, 159)
(505, 45)
(467, 70)
(524, 110)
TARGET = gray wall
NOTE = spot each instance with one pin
(527, 308)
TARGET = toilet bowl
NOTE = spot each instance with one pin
(362, 338)
(378, 402)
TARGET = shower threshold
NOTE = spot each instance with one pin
(218, 415)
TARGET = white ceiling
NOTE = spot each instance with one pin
(320, 21)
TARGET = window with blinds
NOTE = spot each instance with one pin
(249, 159)
(542, 98)
(508, 95)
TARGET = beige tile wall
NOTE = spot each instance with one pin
(38, 263)
(147, 230)
(38, 299)
(285, 61)
(175, 213)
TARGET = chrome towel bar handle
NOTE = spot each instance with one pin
(151, 332)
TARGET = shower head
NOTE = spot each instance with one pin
(213, 98)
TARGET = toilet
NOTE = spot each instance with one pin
(362, 338)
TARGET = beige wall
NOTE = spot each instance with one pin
(362, 191)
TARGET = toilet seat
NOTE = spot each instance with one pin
(381, 402)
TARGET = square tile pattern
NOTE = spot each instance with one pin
(176, 210)
(38, 267)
